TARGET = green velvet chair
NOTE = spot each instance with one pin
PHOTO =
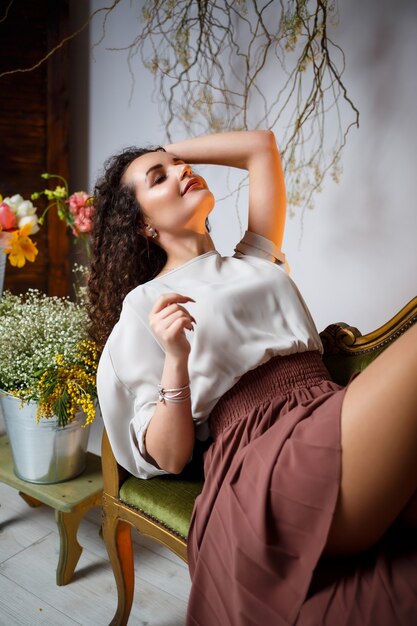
(161, 508)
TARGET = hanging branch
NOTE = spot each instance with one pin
(247, 64)
(63, 42)
(6, 11)
(224, 65)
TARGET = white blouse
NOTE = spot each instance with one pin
(247, 310)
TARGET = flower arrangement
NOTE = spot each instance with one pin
(54, 363)
(18, 220)
(76, 210)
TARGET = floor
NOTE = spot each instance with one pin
(29, 544)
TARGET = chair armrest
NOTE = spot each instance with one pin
(346, 351)
(342, 338)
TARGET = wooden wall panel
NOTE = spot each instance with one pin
(34, 128)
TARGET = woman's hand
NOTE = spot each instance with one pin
(168, 320)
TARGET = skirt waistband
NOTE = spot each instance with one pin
(277, 377)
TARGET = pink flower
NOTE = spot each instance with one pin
(83, 220)
(82, 209)
(77, 201)
(8, 218)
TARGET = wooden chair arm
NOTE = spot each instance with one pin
(344, 339)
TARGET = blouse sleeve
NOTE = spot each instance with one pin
(128, 374)
(253, 244)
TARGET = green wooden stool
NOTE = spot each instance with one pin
(71, 500)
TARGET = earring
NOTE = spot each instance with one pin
(152, 232)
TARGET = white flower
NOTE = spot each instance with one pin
(25, 208)
(33, 329)
(29, 219)
(24, 211)
(14, 202)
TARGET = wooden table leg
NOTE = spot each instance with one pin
(70, 550)
(33, 502)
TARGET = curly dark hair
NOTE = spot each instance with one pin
(121, 256)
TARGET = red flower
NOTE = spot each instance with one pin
(8, 219)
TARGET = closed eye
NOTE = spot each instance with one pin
(159, 179)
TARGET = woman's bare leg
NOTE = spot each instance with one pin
(379, 448)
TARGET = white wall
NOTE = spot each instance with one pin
(357, 259)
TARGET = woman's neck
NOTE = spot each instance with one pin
(182, 250)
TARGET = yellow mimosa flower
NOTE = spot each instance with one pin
(20, 247)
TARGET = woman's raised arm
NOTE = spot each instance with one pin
(257, 152)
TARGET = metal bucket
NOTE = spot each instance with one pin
(3, 259)
(43, 453)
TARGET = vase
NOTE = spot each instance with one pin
(43, 453)
(3, 259)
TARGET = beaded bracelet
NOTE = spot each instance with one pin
(177, 394)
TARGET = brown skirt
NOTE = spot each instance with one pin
(261, 522)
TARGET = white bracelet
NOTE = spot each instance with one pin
(176, 394)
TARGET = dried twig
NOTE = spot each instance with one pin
(239, 64)
(211, 60)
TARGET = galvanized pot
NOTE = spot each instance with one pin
(43, 453)
(3, 259)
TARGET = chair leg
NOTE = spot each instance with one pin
(118, 541)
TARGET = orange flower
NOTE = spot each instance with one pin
(20, 247)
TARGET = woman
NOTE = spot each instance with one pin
(305, 479)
